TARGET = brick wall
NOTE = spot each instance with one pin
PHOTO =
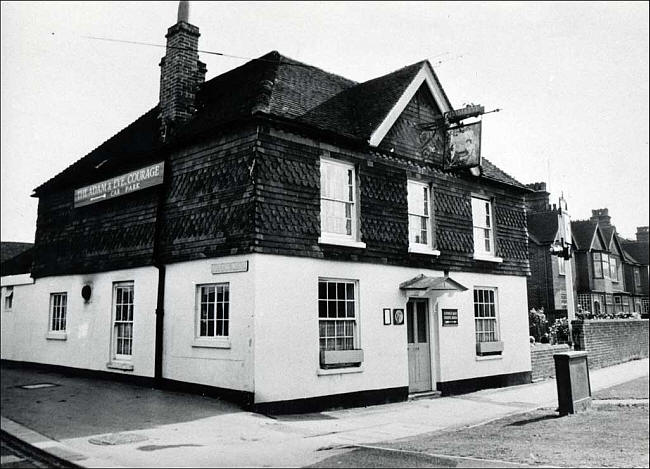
(541, 360)
(611, 341)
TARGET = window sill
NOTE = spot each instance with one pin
(52, 335)
(341, 242)
(116, 365)
(221, 342)
(421, 249)
(488, 357)
(339, 371)
(487, 258)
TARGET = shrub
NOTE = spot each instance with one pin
(559, 332)
(537, 323)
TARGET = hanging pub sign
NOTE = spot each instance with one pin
(120, 185)
(463, 148)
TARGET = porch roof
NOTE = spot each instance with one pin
(422, 285)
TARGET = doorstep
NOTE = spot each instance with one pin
(424, 395)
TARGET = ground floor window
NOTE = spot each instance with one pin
(485, 315)
(584, 301)
(123, 320)
(214, 310)
(337, 314)
(9, 298)
(58, 311)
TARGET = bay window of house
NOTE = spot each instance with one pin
(486, 321)
(9, 298)
(58, 312)
(213, 315)
(338, 323)
(338, 203)
(122, 341)
(420, 216)
(601, 265)
(483, 221)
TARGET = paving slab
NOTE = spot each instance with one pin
(180, 430)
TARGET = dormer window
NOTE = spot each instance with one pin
(338, 204)
(421, 233)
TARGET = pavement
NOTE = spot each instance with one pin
(99, 423)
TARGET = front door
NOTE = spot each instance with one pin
(419, 352)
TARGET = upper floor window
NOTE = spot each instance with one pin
(637, 277)
(58, 311)
(421, 234)
(613, 268)
(561, 264)
(483, 222)
(598, 264)
(338, 203)
(9, 298)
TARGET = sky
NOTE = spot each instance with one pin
(571, 80)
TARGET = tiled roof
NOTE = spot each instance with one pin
(637, 249)
(128, 149)
(543, 226)
(9, 249)
(274, 85)
(583, 232)
(19, 264)
(490, 171)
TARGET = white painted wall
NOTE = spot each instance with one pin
(457, 344)
(286, 328)
(88, 326)
(183, 360)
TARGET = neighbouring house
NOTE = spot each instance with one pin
(600, 260)
(636, 269)
(15, 265)
(547, 283)
(284, 236)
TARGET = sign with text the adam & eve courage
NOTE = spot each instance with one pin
(120, 185)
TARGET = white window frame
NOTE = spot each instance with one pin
(477, 303)
(561, 266)
(115, 326)
(482, 222)
(352, 239)
(412, 187)
(216, 340)
(58, 317)
(354, 320)
(8, 298)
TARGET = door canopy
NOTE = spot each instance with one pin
(430, 286)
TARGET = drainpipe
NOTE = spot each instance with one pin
(160, 265)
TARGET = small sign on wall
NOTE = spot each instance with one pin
(230, 267)
(449, 317)
(387, 317)
(398, 316)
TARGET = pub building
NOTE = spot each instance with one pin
(285, 237)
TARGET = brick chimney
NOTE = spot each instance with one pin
(181, 72)
(601, 216)
(538, 201)
(642, 234)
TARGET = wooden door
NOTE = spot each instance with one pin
(419, 351)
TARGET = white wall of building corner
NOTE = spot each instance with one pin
(230, 368)
(286, 328)
(88, 325)
(457, 344)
